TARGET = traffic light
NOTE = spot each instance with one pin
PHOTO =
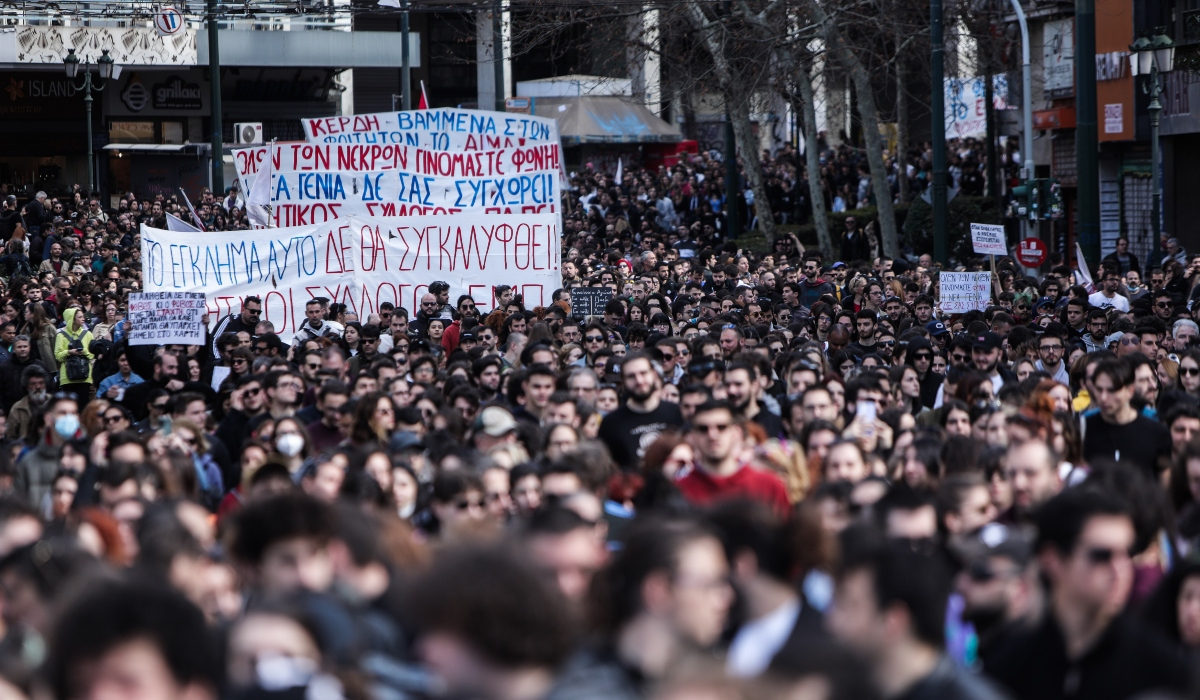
(1051, 198)
(1021, 196)
(1038, 199)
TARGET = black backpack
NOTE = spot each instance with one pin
(77, 366)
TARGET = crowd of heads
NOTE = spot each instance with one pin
(774, 473)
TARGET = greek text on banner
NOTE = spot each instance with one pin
(445, 129)
(166, 318)
(965, 291)
(358, 261)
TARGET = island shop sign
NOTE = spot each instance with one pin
(38, 96)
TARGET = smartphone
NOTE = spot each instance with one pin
(865, 411)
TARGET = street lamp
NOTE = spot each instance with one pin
(1151, 57)
(104, 65)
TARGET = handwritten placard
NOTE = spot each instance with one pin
(965, 291)
(166, 318)
(988, 239)
(590, 301)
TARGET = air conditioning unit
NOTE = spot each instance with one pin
(248, 132)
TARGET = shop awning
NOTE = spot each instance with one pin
(604, 120)
(165, 148)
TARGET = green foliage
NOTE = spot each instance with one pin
(960, 214)
(837, 223)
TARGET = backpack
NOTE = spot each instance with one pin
(77, 366)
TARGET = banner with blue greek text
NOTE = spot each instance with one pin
(446, 129)
(358, 261)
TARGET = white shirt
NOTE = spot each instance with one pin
(758, 641)
(1117, 301)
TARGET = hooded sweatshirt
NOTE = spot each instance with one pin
(73, 330)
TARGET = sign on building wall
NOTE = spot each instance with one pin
(141, 46)
(1058, 58)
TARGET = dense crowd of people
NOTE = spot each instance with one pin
(768, 474)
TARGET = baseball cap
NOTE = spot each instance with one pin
(466, 335)
(1044, 301)
(837, 265)
(987, 340)
(994, 540)
(495, 421)
(405, 439)
(936, 328)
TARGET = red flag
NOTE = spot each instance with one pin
(424, 103)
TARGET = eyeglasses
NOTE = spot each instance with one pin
(1055, 348)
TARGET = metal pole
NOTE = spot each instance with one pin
(217, 145)
(405, 65)
(498, 52)
(1086, 136)
(733, 215)
(1155, 110)
(1027, 171)
(937, 108)
(87, 103)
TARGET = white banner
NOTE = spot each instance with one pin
(966, 105)
(306, 198)
(166, 318)
(314, 183)
(358, 261)
(446, 129)
(965, 291)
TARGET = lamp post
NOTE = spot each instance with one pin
(72, 64)
(1152, 57)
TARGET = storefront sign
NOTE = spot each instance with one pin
(127, 46)
(177, 94)
(39, 96)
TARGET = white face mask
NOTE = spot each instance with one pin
(289, 445)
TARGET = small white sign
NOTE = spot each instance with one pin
(965, 291)
(988, 239)
(166, 318)
(1114, 118)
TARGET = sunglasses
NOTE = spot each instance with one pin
(1163, 306)
(1099, 556)
(887, 343)
(253, 392)
(922, 356)
(118, 417)
(595, 339)
(1189, 371)
(467, 504)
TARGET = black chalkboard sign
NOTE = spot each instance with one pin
(590, 301)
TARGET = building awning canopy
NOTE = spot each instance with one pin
(604, 120)
(164, 148)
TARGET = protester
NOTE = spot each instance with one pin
(751, 467)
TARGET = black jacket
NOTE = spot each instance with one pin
(1127, 661)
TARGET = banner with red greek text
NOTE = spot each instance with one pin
(446, 129)
(358, 261)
